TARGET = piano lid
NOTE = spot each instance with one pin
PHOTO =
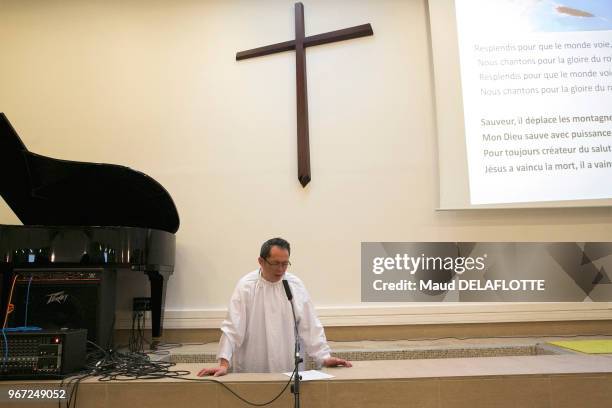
(46, 191)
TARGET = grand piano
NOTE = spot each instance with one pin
(82, 222)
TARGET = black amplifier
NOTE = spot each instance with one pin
(42, 354)
(66, 299)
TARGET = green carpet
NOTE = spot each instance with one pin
(586, 346)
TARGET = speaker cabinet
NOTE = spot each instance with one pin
(67, 299)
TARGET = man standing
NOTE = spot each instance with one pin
(258, 333)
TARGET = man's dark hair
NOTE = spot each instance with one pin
(267, 246)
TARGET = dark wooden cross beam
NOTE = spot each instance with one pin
(299, 45)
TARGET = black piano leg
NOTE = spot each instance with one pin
(158, 300)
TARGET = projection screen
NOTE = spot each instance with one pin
(523, 102)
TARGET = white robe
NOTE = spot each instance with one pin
(258, 332)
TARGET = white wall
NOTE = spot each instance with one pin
(154, 85)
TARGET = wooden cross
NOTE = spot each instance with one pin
(299, 45)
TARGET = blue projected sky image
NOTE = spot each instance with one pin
(577, 15)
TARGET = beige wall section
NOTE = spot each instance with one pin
(154, 85)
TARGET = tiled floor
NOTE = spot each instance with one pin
(362, 349)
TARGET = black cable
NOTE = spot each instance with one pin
(137, 336)
(98, 347)
(111, 339)
(255, 404)
(168, 346)
(127, 366)
(71, 384)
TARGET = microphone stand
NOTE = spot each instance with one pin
(295, 387)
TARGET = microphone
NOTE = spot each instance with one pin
(287, 290)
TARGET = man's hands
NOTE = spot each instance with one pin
(335, 362)
(224, 365)
(216, 371)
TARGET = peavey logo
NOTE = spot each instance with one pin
(59, 297)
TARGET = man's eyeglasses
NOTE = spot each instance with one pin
(276, 264)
